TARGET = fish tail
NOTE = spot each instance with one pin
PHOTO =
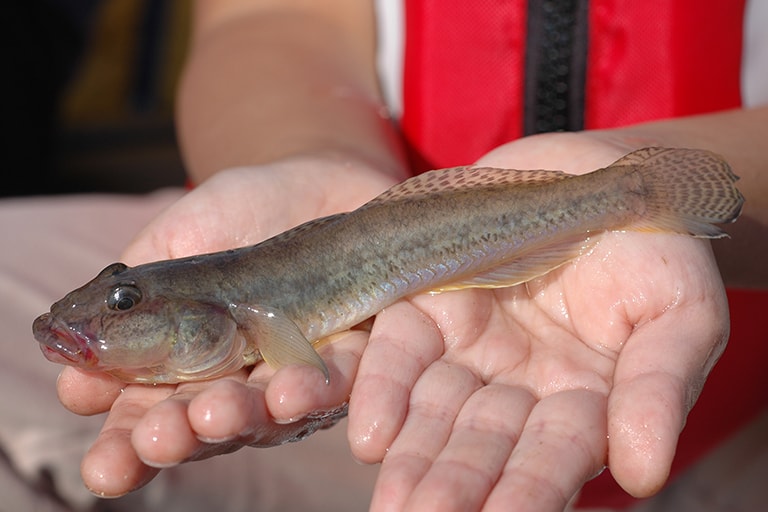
(686, 191)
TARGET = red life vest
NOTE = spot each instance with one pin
(464, 68)
(464, 93)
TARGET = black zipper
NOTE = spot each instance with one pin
(555, 65)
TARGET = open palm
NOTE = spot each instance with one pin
(471, 398)
(512, 397)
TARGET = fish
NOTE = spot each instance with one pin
(206, 316)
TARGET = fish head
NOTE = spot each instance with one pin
(127, 324)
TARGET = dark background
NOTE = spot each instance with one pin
(88, 95)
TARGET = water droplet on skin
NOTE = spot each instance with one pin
(366, 438)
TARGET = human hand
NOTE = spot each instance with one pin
(150, 427)
(533, 373)
(513, 398)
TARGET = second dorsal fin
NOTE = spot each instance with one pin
(467, 177)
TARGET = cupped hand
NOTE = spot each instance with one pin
(151, 427)
(476, 398)
(511, 399)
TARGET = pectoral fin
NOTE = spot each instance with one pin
(277, 337)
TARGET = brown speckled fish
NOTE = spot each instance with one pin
(206, 316)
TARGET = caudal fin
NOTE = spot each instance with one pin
(686, 190)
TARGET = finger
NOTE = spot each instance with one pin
(163, 437)
(166, 436)
(563, 444)
(232, 408)
(226, 410)
(295, 391)
(483, 436)
(646, 416)
(658, 378)
(231, 414)
(87, 393)
(111, 467)
(435, 402)
(572, 152)
(401, 345)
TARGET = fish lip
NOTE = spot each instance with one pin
(61, 343)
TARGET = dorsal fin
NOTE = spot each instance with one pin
(302, 228)
(640, 156)
(459, 178)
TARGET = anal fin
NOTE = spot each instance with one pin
(526, 266)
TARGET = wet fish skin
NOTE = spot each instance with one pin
(205, 316)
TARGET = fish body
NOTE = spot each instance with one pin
(204, 316)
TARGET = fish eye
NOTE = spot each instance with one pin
(123, 297)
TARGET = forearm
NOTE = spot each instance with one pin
(264, 82)
(741, 137)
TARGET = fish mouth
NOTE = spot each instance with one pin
(61, 343)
